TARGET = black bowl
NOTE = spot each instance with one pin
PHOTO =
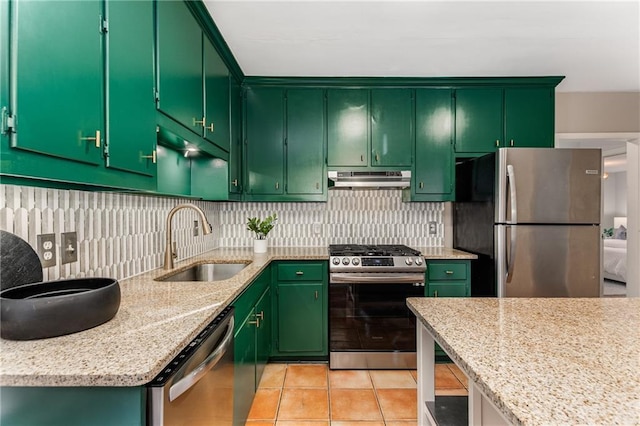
(56, 308)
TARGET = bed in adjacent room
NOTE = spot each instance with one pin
(615, 252)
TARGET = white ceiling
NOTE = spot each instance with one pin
(595, 44)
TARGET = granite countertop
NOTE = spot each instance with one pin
(445, 253)
(545, 361)
(155, 321)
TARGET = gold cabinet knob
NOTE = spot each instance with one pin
(95, 138)
(153, 157)
(497, 142)
(234, 182)
(197, 122)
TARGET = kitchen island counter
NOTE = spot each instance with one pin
(154, 322)
(542, 361)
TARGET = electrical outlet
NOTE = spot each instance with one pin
(195, 228)
(68, 247)
(433, 228)
(47, 249)
(316, 228)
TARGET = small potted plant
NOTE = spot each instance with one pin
(261, 228)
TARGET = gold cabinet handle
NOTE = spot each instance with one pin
(317, 185)
(95, 138)
(256, 322)
(209, 127)
(362, 158)
(511, 142)
(448, 272)
(435, 293)
(377, 158)
(197, 122)
(234, 182)
(153, 156)
(299, 273)
(316, 294)
(497, 142)
(421, 185)
(277, 185)
(260, 315)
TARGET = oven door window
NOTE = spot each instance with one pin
(372, 317)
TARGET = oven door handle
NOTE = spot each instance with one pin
(339, 278)
(199, 372)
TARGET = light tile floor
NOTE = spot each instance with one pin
(311, 394)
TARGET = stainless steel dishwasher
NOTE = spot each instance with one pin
(196, 388)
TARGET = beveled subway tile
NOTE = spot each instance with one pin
(392, 379)
(398, 404)
(349, 379)
(304, 404)
(354, 404)
(306, 375)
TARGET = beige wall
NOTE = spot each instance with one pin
(597, 112)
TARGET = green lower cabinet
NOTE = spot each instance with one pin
(252, 344)
(447, 278)
(301, 324)
(72, 406)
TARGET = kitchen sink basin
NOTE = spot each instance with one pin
(55, 308)
(206, 272)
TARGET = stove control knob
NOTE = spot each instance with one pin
(418, 261)
(345, 261)
(408, 261)
(355, 261)
(335, 261)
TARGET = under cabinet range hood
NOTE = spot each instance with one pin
(370, 179)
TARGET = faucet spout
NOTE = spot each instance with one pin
(169, 252)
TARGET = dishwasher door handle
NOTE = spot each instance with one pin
(194, 376)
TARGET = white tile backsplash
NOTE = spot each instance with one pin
(121, 235)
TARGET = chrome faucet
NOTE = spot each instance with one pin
(170, 251)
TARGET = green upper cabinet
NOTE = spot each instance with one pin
(434, 168)
(479, 119)
(348, 127)
(216, 83)
(59, 84)
(391, 127)
(305, 142)
(488, 118)
(180, 64)
(78, 110)
(264, 140)
(131, 131)
(235, 153)
(520, 105)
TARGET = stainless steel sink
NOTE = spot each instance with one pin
(206, 272)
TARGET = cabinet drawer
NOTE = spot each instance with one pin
(448, 289)
(447, 271)
(300, 271)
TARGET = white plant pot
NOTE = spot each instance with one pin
(259, 246)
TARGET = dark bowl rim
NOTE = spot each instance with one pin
(4, 292)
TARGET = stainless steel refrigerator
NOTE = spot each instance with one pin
(532, 215)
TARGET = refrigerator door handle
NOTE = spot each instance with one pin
(511, 260)
(511, 183)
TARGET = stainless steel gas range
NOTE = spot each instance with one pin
(370, 326)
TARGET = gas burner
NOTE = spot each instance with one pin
(371, 250)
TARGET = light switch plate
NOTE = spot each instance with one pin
(47, 249)
(69, 247)
(432, 228)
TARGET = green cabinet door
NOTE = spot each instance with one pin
(449, 289)
(529, 117)
(391, 127)
(235, 152)
(478, 115)
(244, 374)
(348, 127)
(263, 333)
(131, 131)
(300, 317)
(179, 64)
(216, 86)
(265, 140)
(58, 102)
(305, 141)
(434, 163)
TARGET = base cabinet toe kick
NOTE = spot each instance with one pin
(475, 409)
